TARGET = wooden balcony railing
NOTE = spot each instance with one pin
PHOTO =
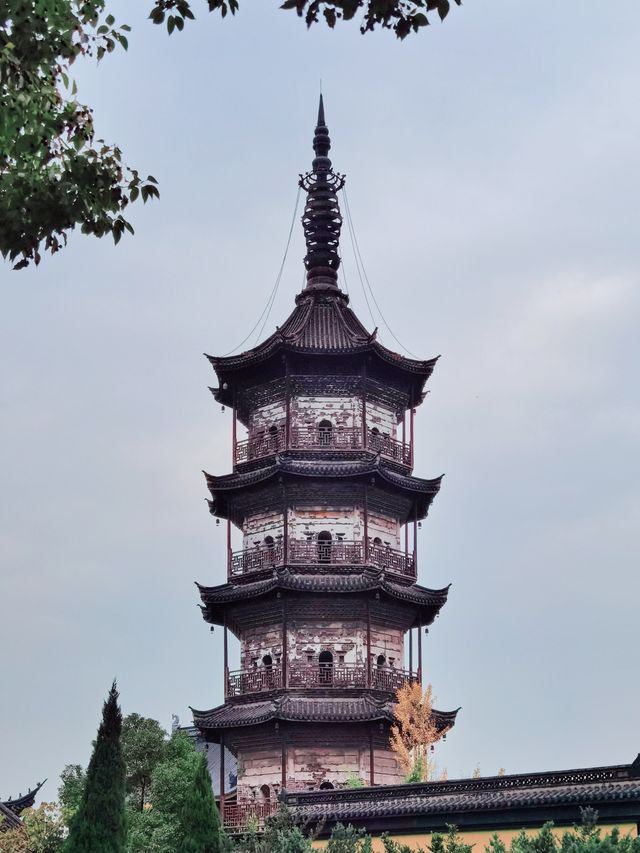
(392, 560)
(259, 446)
(328, 675)
(389, 447)
(262, 444)
(255, 559)
(243, 815)
(316, 676)
(240, 682)
(325, 438)
(334, 552)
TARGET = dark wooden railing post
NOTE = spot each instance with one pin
(284, 763)
(287, 407)
(364, 406)
(411, 651)
(222, 786)
(404, 434)
(420, 649)
(229, 557)
(415, 540)
(284, 645)
(372, 763)
(369, 663)
(366, 523)
(285, 526)
(234, 431)
(226, 657)
(413, 411)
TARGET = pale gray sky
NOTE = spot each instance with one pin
(492, 168)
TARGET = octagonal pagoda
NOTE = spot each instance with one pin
(323, 594)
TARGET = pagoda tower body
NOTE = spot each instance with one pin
(323, 595)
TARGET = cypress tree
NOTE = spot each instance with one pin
(99, 825)
(200, 819)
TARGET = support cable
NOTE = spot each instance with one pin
(356, 249)
(267, 308)
(355, 255)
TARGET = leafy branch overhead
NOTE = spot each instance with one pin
(54, 176)
(401, 16)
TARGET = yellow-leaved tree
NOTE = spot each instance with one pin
(415, 731)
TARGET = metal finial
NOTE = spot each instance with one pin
(321, 219)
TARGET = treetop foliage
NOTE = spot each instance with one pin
(52, 175)
(401, 16)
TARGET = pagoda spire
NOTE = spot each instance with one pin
(322, 219)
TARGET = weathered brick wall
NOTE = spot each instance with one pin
(383, 418)
(258, 642)
(309, 766)
(385, 528)
(273, 414)
(341, 411)
(257, 526)
(305, 521)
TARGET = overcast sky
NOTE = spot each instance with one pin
(492, 167)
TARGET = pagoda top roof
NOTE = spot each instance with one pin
(428, 601)
(321, 324)
(318, 709)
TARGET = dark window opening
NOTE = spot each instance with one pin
(265, 792)
(325, 662)
(326, 786)
(380, 661)
(324, 546)
(325, 431)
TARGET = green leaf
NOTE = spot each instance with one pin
(110, 20)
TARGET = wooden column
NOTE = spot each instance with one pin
(222, 786)
(406, 538)
(369, 663)
(411, 651)
(234, 433)
(404, 433)
(283, 781)
(413, 411)
(364, 406)
(285, 526)
(372, 763)
(228, 549)
(287, 405)
(415, 540)
(366, 523)
(420, 649)
(226, 657)
(284, 644)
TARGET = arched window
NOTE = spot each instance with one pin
(267, 673)
(325, 662)
(326, 786)
(380, 661)
(267, 662)
(324, 546)
(269, 542)
(377, 540)
(265, 792)
(325, 433)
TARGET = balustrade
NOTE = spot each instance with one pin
(241, 682)
(311, 552)
(237, 816)
(317, 676)
(261, 445)
(255, 559)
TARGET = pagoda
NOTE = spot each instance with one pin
(323, 595)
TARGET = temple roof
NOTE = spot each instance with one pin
(353, 709)
(8, 818)
(485, 802)
(321, 324)
(23, 801)
(428, 602)
(287, 464)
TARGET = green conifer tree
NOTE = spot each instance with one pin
(99, 825)
(200, 819)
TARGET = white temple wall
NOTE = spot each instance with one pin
(311, 520)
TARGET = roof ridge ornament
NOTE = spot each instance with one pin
(322, 220)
